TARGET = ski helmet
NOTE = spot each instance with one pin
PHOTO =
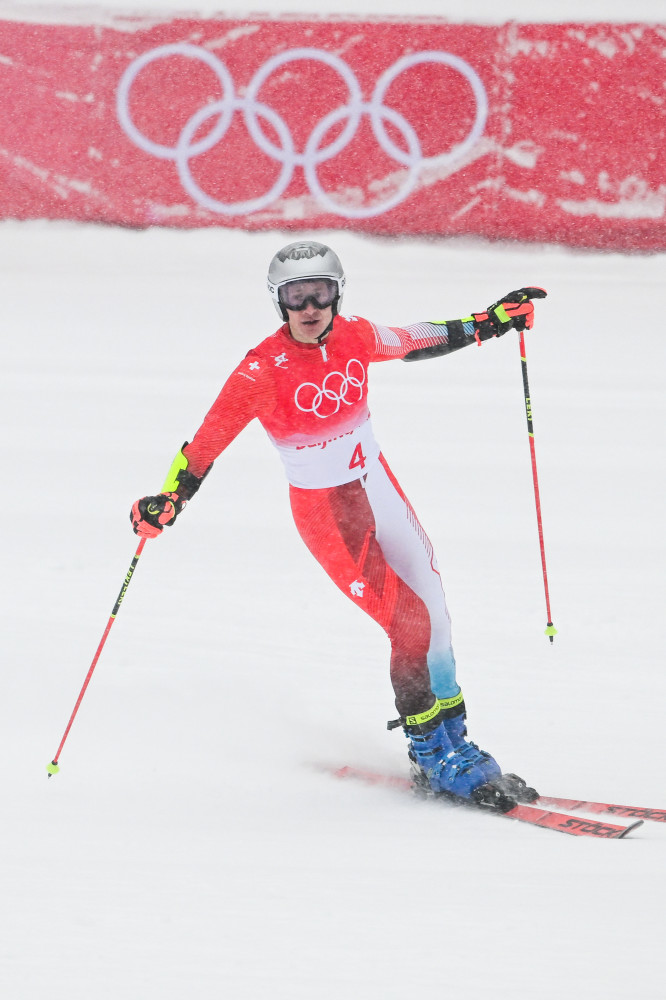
(303, 260)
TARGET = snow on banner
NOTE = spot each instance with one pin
(552, 132)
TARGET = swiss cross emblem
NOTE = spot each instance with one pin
(254, 366)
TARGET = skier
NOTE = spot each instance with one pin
(307, 384)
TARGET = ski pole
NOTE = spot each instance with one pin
(53, 767)
(550, 630)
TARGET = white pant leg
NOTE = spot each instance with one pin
(409, 553)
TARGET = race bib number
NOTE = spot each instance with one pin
(330, 462)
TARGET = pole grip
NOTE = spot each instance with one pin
(526, 385)
(128, 578)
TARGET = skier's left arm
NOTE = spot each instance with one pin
(432, 339)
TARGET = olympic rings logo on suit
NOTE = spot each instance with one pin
(354, 378)
(314, 153)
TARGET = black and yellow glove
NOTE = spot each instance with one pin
(150, 515)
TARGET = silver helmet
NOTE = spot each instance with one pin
(305, 259)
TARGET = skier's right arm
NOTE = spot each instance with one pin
(247, 393)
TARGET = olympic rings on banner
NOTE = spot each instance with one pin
(314, 154)
(335, 394)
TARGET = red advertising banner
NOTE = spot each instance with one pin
(554, 133)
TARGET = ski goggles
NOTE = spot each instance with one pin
(299, 293)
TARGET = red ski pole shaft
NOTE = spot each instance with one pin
(53, 767)
(551, 631)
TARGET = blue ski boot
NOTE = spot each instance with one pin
(437, 766)
(454, 717)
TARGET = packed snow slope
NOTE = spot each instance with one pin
(190, 847)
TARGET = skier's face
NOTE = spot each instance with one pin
(308, 324)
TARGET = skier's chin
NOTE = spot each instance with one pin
(313, 330)
(308, 331)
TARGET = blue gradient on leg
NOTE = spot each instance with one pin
(442, 667)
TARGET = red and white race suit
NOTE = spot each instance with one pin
(347, 505)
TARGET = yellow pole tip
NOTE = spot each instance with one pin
(550, 631)
(52, 768)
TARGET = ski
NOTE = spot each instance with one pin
(535, 814)
(517, 788)
(585, 805)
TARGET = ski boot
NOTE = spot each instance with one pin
(501, 791)
(454, 717)
(438, 767)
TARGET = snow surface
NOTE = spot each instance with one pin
(190, 847)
